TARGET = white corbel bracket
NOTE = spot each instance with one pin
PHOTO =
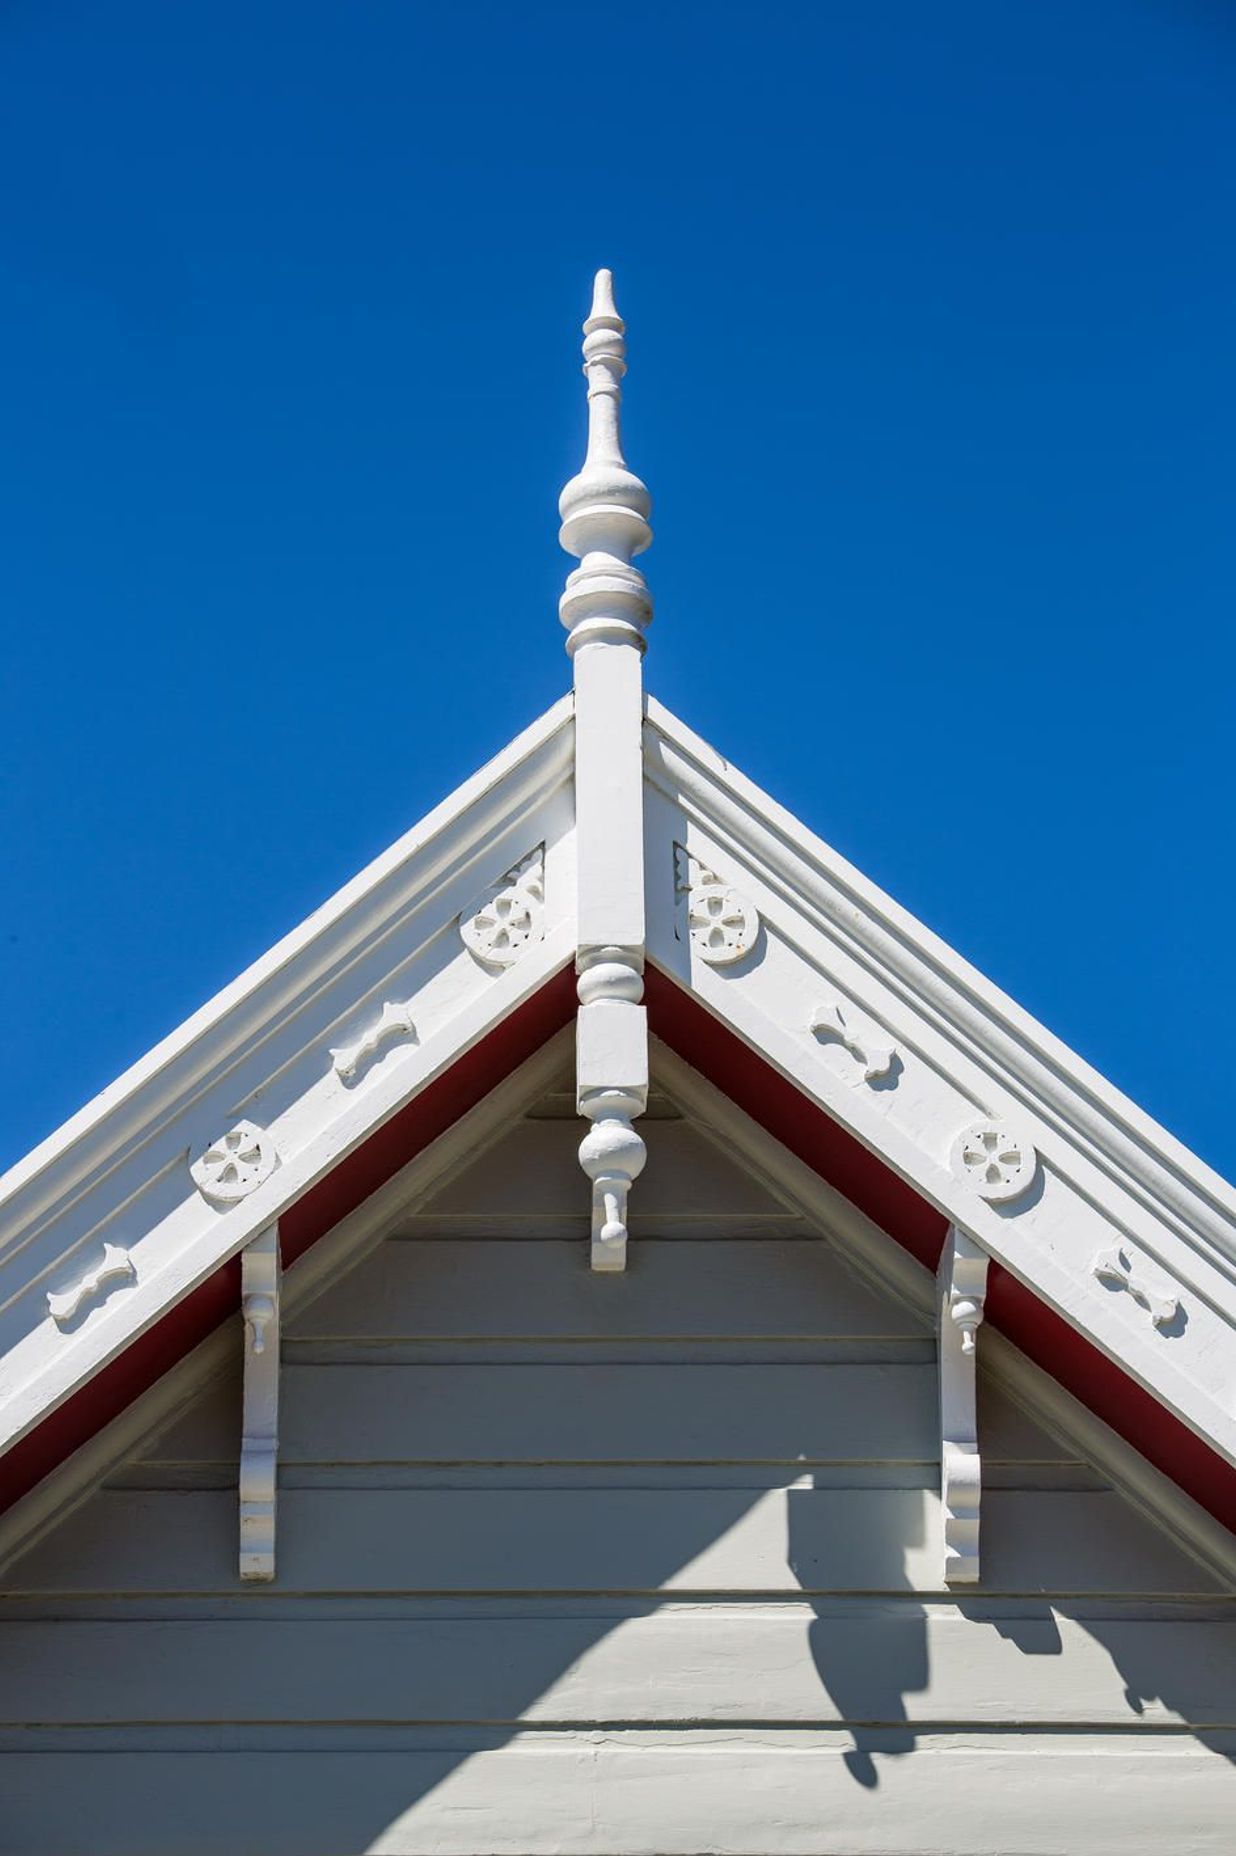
(962, 1282)
(259, 1449)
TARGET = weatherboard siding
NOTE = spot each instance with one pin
(644, 1565)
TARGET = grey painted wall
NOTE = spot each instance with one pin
(613, 1566)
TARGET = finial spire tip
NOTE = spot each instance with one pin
(604, 310)
(604, 507)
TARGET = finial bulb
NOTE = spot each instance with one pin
(605, 506)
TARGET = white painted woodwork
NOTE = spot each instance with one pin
(117, 1173)
(605, 608)
(873, 1059)
(1080, 1168)
(1114, 1267)
(962, 1280)
(394, 1021)
(234, 1164)
(646, 1561)
(894, 1273)
(627, 1563)
(1095, 1179)
(500, 925)
(259, 1441)
(114, 1267)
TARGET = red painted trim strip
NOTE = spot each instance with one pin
(778, 1105)
(829, 1150)
(771, 1101)
(217, 1299)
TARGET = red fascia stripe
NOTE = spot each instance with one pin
(217, 1299)
(829, 1150)
(774, 1104)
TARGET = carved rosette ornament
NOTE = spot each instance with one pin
(721, 925)
(509, 917)
(995, 1159)
(235, 1165)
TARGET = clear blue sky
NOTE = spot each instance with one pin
(932, 315)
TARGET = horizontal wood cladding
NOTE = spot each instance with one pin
(453, 1289)
(604, 1412)
(608, 1540)
(794, 1664)
(632, 1565)
(622, 1794)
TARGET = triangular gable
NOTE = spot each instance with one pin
(609, 837)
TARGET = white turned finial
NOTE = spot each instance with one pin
(605, 507)
(604, 308)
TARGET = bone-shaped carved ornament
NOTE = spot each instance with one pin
(116, 1267)
(876, 1059)
(1115, 1268)
(395, 1022)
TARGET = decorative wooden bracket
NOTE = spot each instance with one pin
(605, 608)
(259, 1449)
(962, 1281)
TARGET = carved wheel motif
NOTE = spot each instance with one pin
(721, 925)
(995, 1160)
(508, 918)
(235, 1165)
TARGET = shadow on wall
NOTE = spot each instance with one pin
(377, 1777)
(867, 1681)
(383, 1695)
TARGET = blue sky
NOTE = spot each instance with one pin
(932, 316)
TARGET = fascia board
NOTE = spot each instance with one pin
(891, 1271)
(334, 1255)
(45, 1367)
(1107, 1173)
(263, 1050)
(84, 1145)
(685, 766)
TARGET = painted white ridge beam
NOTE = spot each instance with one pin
(605, 609)
(962, 1283)
(259, 1446)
